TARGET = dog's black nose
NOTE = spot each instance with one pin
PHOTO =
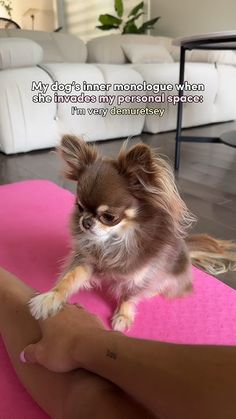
(87, 222)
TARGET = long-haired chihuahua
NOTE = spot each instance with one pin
(129, 230)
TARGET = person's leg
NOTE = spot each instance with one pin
(78, 394)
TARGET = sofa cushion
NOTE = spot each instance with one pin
(25, 125)
(216, 106)
(122, 125)
(142, 53)
(94, 125)
(108, 49)
(57, 46)
(206, 56)
(15, 52)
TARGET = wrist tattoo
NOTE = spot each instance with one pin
(111, 354)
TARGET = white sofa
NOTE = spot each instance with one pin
(51, 57)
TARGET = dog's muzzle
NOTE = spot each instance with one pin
(87, 222)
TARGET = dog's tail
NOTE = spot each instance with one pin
(212, 255)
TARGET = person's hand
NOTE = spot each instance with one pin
(73, 328)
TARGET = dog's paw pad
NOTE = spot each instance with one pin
(121, 322)
(45, 305)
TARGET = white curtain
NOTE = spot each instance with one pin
(81, 16)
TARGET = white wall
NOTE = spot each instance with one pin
(186, 17)
(44, 16)
(81, 16)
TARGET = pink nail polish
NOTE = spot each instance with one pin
(22, 357)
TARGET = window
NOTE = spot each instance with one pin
(81, 16)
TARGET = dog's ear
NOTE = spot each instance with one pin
(77, 154)
(136, 164)
(149, 172)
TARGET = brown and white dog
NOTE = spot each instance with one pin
(129, 229)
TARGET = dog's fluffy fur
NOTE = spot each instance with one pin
(129, 229)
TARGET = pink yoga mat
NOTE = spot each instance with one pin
(34, 238)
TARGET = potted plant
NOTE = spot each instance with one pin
(117, 21)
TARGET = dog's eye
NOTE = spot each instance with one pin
(107, 218)
(80, 207)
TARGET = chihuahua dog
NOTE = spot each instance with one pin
(129, 228)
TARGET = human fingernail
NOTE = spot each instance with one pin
(22, 357)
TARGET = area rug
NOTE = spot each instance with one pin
(34, 239)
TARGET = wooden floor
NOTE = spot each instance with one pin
(206, 179)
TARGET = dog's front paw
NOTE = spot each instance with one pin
(121, 322)
(45, 305)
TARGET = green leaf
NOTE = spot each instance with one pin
(109, 20)
(135, 17)
(148, 25)
(107, 27)
(130, 27)
(136, 9)
(119, 7)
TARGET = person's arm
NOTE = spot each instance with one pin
(177, 381)
(173, 381)
(78, 394)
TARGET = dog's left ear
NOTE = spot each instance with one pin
(77, 154)
(136, 164)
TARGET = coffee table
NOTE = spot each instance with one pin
(209, 41)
